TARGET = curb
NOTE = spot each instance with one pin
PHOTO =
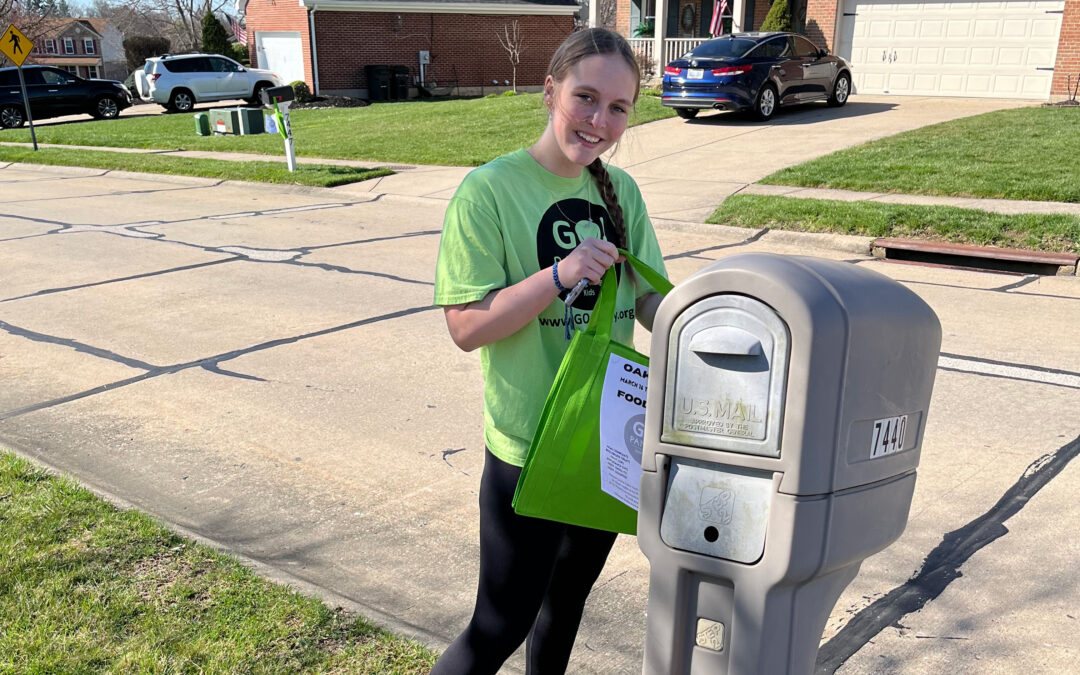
(263, 570)
(847, 243)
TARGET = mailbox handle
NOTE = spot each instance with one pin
(726, 340)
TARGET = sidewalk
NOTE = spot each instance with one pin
(439, 182)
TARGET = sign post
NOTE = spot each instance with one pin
(17, 47)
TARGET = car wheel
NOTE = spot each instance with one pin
(181, 101)
(765, 105)
(106, 108)
(686, 113)
(841, 90)
(12, 117)
(256, 94)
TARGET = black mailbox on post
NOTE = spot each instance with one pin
(274, 95)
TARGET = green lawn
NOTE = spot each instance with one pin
(85, 588)
(464, 132)
(1024, 153)
(320, 175)
(878, 219)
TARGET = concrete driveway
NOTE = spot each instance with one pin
(686, 168)
(260, 367)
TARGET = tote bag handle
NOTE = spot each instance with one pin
(603, 316)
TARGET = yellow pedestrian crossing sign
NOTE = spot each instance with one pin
(15, 45)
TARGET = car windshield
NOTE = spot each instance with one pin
(724, 47)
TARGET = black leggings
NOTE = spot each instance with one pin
(534, 577)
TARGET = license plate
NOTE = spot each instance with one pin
(888, 436)
(695, 73)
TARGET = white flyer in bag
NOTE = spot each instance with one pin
(622, 428)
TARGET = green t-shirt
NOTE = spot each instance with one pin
(508, 220)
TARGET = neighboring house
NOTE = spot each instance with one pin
(84, 47)
(327, 43)
(1004, 49)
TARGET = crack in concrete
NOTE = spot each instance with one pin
(76, 345)
(210, 363)
(49, 291)
(1010, 371)
(942, 566)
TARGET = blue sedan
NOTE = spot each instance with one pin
(758, 72)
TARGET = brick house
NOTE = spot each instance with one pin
(84, 47)
(327, 43)
(1024, 49)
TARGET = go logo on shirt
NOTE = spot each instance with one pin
(565, 225)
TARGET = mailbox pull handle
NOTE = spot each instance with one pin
(726, 340)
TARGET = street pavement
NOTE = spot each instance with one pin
(261, 367)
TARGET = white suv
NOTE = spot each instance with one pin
(179, 82)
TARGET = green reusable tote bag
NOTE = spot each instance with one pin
(561, 477)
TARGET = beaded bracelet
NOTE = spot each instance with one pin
(555, 275)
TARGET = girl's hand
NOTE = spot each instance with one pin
(589, 261)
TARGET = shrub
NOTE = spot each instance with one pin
(301, 92)
(138, 48)
(646, 66)
(240, 54)
(651, 92)
(214, 38)
(510, 92)
(778, 18)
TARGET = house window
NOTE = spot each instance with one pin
(92, 72)
(50, 46)
(69, 46)
(88, 46)
(71, 69)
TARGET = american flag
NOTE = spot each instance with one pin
(239, 31)
(720, 8)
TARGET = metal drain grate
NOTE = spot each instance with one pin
(1016, 261)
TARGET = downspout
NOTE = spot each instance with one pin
(314, 49)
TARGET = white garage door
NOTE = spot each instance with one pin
(989, 49)
(281, 53)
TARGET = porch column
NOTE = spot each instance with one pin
(738, 9)
(659, 31)
(594, 13)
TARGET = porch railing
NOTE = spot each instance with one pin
(673, 47)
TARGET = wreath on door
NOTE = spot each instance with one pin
(688, 17)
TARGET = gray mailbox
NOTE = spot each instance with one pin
(784, 423)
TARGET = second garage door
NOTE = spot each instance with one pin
(282, 53)
(988, 49)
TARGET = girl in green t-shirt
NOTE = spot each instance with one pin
(518, 234)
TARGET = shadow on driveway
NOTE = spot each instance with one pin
(806, 113)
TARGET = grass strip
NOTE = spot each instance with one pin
(464, 132)
(877, 219)
(1023, 153)
(87, 588)
(319, 175)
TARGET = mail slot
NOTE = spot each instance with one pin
(728, 356)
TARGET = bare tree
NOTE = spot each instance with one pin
(511, 40)
(605, 16)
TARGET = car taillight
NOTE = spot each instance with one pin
(672, 71)
(154, 78)
(731, 70)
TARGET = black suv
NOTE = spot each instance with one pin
(54, 92)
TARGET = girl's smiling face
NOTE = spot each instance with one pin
(590, 110)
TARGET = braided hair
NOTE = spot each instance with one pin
(592, 42)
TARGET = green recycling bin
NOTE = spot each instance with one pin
(202, 124)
